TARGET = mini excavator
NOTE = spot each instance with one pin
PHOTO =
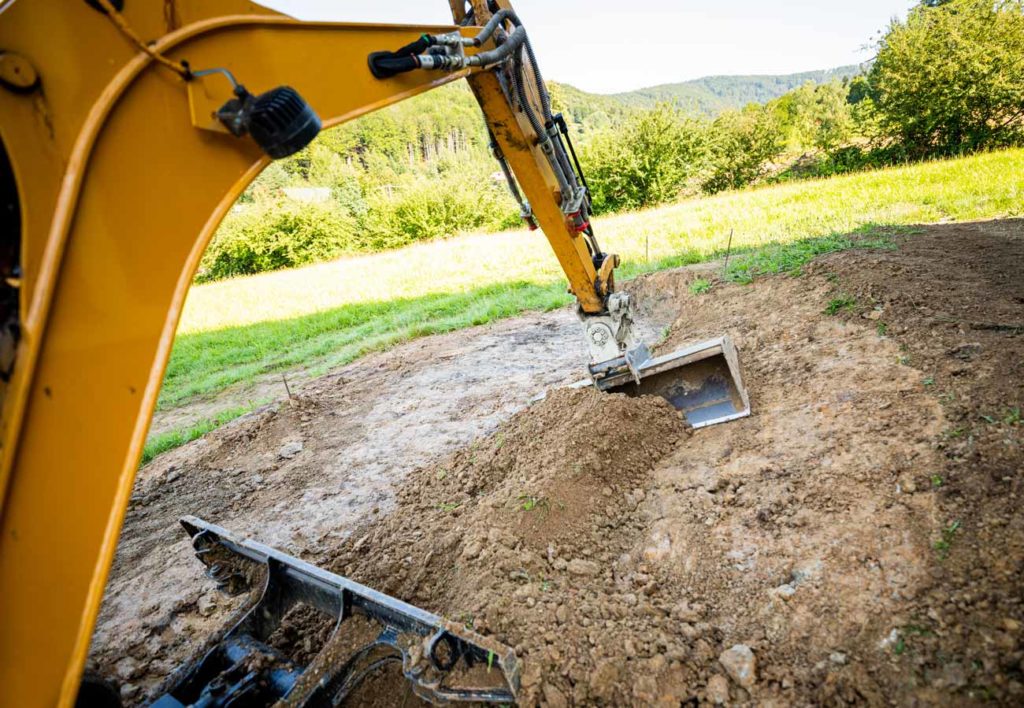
(127, 130)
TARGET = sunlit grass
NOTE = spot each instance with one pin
(328, 314)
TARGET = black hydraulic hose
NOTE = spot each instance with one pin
(520, 91)
(542, 89)
(489, 29)
(384, 67)
(492, 24)
(503, 51)
(503, 163)
(564, 129)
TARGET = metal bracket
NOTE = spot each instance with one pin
(432, 652)
(610, 334)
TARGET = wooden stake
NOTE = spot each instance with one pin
(728, 249)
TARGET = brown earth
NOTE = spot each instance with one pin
(859, 536)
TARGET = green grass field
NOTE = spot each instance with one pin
(329, 314)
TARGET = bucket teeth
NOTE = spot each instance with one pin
(443, 662)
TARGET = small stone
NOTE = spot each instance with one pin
(206, 604)
(738, 661)
(837, 657)
(684, 613)
(290, 450)
(718, 689)
(173, 473)
(554, 697)
(126, 669)
(561, 614)
(604, 679)
(129, 691)
(606, 491)
(953, 675)
(966, 352)
(629, 599)
(785, 591)
(1011, 625)
(472, 550)
(807, 570)
(578, 566)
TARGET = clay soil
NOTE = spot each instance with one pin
(857, 540)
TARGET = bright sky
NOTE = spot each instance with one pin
(619, 45)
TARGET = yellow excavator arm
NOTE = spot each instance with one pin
(128, 129)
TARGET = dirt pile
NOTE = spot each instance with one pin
(857, 540)
(519, 535)
(771, 553)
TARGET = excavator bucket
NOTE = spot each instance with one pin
(701, 381)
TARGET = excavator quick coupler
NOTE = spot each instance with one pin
(442, 661)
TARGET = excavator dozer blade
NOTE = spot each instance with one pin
(702, 381)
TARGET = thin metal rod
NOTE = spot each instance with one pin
(728, 249)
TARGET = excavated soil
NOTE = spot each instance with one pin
(857, 540)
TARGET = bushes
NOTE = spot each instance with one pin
(422, 210)
(270, 234)
(277, 235)
(646, 161)
(742, 144)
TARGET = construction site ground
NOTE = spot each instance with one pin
(859, 539)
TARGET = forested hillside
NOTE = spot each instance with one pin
(711, 95)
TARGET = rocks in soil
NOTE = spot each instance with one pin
(718, 689)
(519, 535)
(739, 662)
(554, 697)
(785, 591)
(290, 450)
(578, 566)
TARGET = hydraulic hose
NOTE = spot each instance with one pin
(384, 65)
(542, 89)
(428, 52)
(503, 51)
(492, 24)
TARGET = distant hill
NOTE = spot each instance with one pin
(707, 96)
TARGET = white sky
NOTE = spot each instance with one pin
(618, 45)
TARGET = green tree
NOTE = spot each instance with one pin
(950, 79)
(645, 161)
(742, 145)
(815, 116)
